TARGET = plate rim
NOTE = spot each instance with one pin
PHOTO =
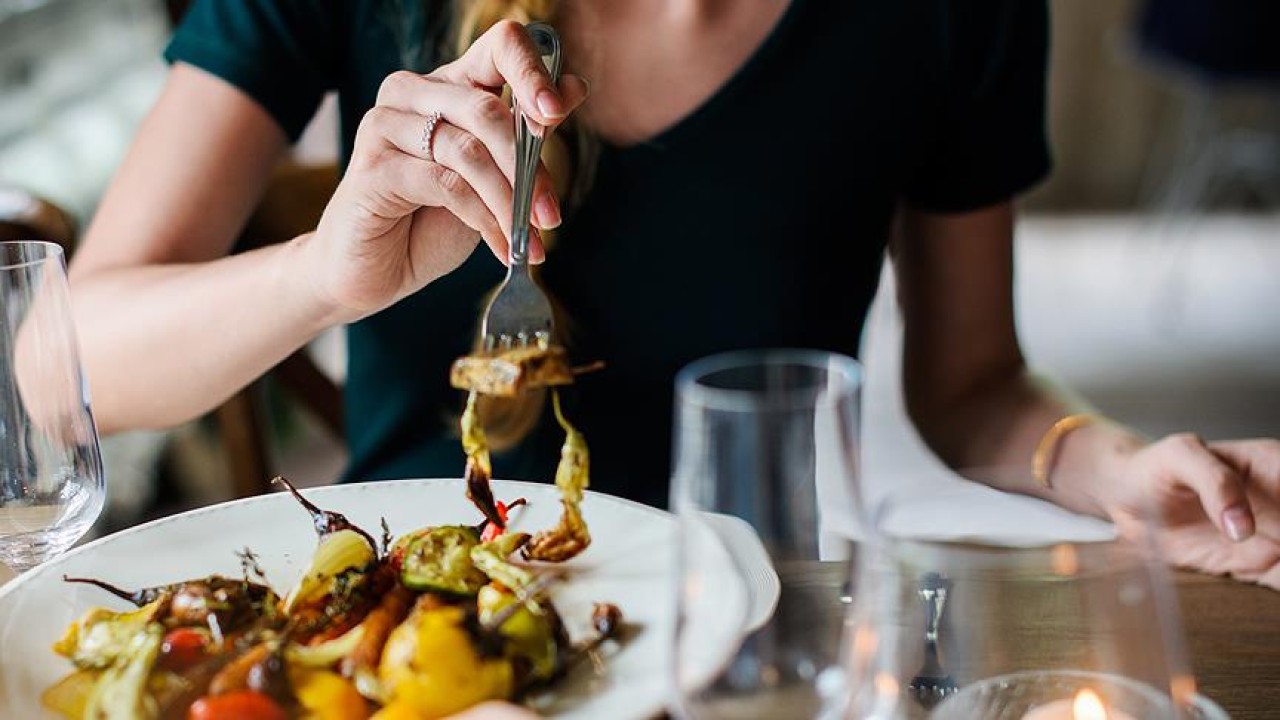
(21, 580)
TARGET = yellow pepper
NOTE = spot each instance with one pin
(326, 695)
(529, 636)
(70, 696)
(430, 665)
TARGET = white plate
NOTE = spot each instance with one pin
(629, 564)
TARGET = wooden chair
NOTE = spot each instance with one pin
(292, 204)
(25, 216)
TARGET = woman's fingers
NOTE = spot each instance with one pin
(1221, 490)
(504, 55)
(483, 115)
(453, 148)
(1257, 461)
(427, 184)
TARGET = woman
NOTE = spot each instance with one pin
(694, 224)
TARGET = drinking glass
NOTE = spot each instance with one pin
(51, 483)
(764, 485)
(952, 630)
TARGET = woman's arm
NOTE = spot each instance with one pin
(971, 395)
(967, 386)
(168, 326)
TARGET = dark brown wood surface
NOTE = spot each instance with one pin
(1233, 632)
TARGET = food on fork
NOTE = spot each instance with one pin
(423, 627)
(510, 372)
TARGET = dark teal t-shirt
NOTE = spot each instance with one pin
(759, 220)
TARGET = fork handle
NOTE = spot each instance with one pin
(529, 147)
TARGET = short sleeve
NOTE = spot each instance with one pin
(990, 143)
(281, 53)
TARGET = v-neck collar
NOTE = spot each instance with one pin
(731, 88)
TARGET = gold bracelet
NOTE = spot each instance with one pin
(1046, 450)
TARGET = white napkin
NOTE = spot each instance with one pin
(913, 494)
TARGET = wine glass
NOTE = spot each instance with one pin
(51, 481)
(764, 487)
(1060, 631)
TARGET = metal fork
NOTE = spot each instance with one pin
(519, 313)
(932, 684)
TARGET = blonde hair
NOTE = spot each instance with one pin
(569, 155)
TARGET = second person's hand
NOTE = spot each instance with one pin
(415, 199)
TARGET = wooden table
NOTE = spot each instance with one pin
(1234, 635)
(1232, 630)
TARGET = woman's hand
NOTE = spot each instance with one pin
(1218, 503)
(410, 208)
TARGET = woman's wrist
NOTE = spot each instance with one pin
(1093, 464)
(301, 280)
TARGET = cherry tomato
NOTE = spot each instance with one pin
(240, 705)
(182, 648)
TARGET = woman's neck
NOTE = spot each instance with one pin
(652, 62)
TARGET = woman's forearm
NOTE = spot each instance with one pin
(162, 344)
(991, 436)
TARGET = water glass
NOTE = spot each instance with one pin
(51, 481)
(764, 485)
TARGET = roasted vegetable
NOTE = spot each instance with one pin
(325, 522)
(234, 676)
(531, 638)
(121, 691)
(478, 470)
(102, 637)
(489, 531)
(69, 697)
(570, 536)
(324, 654)
(361, 664)
(439, 560)
(324, 695)
(511, 372)
(192, 602)
(433, 664)
(493, 559)
(183, 647)
(240, 705)
(338, 552)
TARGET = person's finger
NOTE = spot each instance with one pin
(429, 184)
(461, 151)
(1271, 578)
(1189, 462)
(1253, 559)
(447, 145)
(479, 113)
(505, 55)
(1257, 461)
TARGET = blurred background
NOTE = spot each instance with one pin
(1148, 262)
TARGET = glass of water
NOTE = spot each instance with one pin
(765, 489)
(51, 481)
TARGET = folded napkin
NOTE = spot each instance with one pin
(907, 491)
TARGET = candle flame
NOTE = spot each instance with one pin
(1088, 706)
